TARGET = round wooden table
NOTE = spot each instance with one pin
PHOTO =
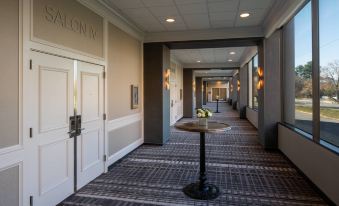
(202, 190)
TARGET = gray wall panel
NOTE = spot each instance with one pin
(122, 137)
(9, 78)
(9, 187)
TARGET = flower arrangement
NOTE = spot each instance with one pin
(204, 113)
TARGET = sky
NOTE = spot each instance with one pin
(329, 33)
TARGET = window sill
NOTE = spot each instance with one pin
(332, 148)
(254, 109)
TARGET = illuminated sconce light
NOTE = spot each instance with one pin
(167, 77)
(231, 88)
(260, 83)
(238, 84)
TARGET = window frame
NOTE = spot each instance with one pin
(315, 137)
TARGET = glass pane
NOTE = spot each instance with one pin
(298, 70)
(250, 84)
(255, 82)
(329, 70)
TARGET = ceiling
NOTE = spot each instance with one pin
(214, 73)
(151, 15)
(208, 56)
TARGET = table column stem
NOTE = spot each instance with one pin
(202, 177)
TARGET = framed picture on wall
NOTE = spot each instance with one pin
(134, 97)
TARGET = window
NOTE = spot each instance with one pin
(250, 64)
(298, 104)
(329, 70)
(255, 82)
(252, 82)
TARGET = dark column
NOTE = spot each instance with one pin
(204, 94)
(243, 94)
(269, 97)
(156, 95)
(188, 92)
(198, 91)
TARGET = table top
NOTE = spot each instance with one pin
(212, 126)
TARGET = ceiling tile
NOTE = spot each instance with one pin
(137, 13)
(221, 6)
(221, 24)
(153, 27)
(193, 8)
(168, 11)
(175, 27)
(126, 4)
(197, 21)
(247, 22)
(257, 4)
(150, 3)
(178, 2)
(223, 16)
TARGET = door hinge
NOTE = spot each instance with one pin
(30, 132)
(104, 116)
(30, 200)
(104, 75)
(30, 64)
(105, 158)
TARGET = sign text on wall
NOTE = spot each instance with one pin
(54, 15)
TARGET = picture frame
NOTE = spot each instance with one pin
(134, 96)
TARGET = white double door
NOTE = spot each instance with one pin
(61, 88)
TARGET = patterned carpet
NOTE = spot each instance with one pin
(245, 173)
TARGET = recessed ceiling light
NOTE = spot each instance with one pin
(244, 15)
(230, 60)
(170, 20)
(198, 61)
(232, 53)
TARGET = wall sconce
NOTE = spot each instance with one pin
(260, 83)
(238, 83)
(167, 77)
(231, 87)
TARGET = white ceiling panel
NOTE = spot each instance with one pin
(221, 6)
(168, 11)
(150, 3)
(178, 2)
(208, 56)
(191, 14)
(193, 8)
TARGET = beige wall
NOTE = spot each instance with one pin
(70, 24)
(317, 163)
(124, 136)
(124, 69)
(9, 190)
(9, 78)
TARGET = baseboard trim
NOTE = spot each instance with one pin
(123, 152)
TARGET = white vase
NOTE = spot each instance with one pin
(203, 121)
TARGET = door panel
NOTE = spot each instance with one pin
(215, 93)
(222, 93)
(51, 149)
(90, 144)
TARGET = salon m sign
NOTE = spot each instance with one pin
(72, 23)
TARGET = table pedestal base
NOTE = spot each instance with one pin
(208, 192)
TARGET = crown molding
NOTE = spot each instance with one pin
(234, 65)
(207, 34)
(280, 14)
(101, 8)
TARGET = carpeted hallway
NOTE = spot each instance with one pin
(245, 173)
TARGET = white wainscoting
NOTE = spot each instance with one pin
(119, 123)
(252, 116)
